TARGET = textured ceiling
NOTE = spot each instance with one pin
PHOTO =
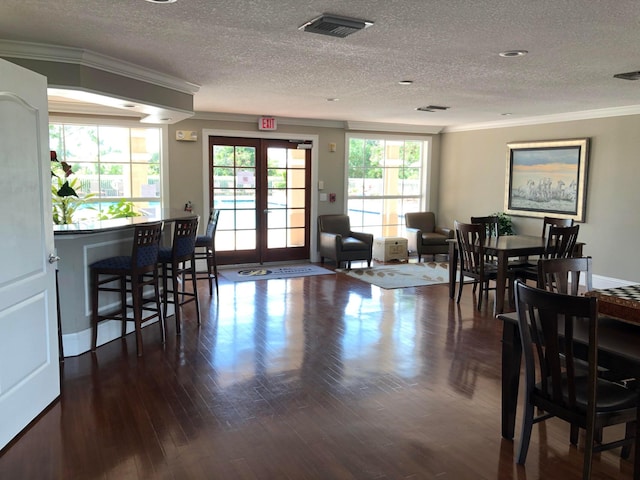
(249, 57)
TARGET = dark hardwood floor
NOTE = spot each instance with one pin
(322, 377)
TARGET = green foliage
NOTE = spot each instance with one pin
(505, 227)
(65, 200)
(122, 209)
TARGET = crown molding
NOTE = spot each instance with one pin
(87, 58)
(543, 119)
(393, 127)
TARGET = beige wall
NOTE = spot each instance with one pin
(472, 182)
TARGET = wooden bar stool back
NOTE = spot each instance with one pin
(136, 275)
(178, 263)
(206, 250)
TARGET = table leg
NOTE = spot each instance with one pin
(511, 358)
(503, 262)
(453, 268)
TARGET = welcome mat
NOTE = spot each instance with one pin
(405, 275)
(248, 274)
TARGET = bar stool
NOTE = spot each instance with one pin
(177, 262)
(134, 274)
(206, 250)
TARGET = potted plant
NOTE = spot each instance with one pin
(65, 200)
(505, 226)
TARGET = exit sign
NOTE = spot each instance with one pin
(267, 123)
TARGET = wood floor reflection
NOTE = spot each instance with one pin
(322, 377)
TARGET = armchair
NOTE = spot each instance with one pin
(424, 236)
(339, 243)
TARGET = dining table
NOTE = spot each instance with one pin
(618, 340)
(503, 248)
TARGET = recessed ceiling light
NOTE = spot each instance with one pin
(405, 82)
(129, 105)
(332, 99)
(162, 1)
(506, 114)
(513, 53)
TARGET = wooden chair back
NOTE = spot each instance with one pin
(555, 222)
(471, 239)
(561, 241)
(490, 224)
(563, 275)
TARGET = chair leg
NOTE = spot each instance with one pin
(215, 272)
(136, 292)
(525, 436)
(175, 298)
(460, 285)
(195, 289)
(123, 306)
(94, 309)
(630, 432)
(209, 270)
(161, 321)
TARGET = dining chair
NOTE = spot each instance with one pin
(554, 222)
(560, 243)
(553, 382)
(471, 238)
(572, 276)
(135, 275)
(178, 262)
(547, 222)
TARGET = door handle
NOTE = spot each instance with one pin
(53, 258)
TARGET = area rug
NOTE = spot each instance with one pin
(248, 274)
(405, 275)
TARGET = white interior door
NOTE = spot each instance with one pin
(29, 371)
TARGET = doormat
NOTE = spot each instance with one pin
(401, 276)
(248, 274)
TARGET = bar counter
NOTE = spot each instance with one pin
(79, 245)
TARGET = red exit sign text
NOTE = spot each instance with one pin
(267, 123)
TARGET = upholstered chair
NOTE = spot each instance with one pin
(339, 243)
(424, 236)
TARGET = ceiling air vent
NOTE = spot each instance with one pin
(432, 108)
(335, 26)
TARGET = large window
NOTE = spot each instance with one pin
(387, 177)
(110, 164)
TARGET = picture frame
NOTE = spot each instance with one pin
(547, 178)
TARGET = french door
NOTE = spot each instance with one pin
(261, 188)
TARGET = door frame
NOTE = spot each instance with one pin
(313, 208)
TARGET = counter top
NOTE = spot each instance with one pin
(99, 226)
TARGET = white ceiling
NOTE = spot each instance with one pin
(249, 57)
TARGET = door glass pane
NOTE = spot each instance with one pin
(245, 219)
(276, 157)
(277, 238)
(295, 237)
(295, 217)
(297, 159)
(296, 178)
(277, 218)
(296, 198)
(245, 240)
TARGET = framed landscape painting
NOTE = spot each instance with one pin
(547, 178)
